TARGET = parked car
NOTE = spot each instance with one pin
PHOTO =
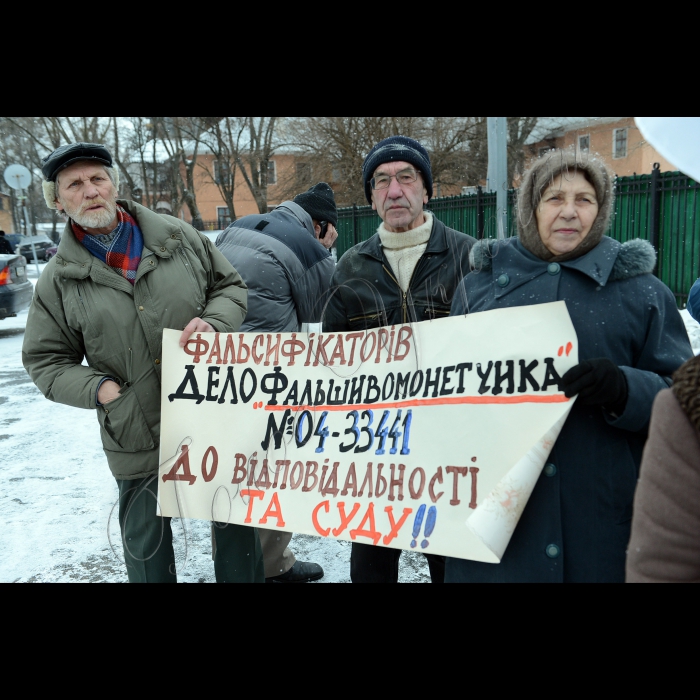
(50, 253)
(15, 289)
(14, 239)
(213, 236)
(41, 244)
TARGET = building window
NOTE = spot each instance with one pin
(2, 204)
(303, 172)
(620, 143)
(224, 218)
(159, 179)
(584, 143)
(222, 172)
(272, 173)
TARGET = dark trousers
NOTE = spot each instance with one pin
(148, 541)
(377, 565)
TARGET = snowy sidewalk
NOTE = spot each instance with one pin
(693, 329)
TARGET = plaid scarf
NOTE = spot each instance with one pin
(123, 249)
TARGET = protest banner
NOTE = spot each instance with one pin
(427, 437)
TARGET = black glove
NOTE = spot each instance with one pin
(598, 383)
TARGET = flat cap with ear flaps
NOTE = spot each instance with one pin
(74, 153)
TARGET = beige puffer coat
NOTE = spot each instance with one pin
(665, 546)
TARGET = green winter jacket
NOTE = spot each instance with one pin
(84, 310)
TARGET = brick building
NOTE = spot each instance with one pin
(286, 177)
(616, 139)
(6, 222)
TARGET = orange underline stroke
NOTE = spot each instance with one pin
(468, 400)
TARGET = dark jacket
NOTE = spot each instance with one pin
(288, 272)
(694, 302)
(5, 246)
(367, 294)
(83, 309)
(577, 525)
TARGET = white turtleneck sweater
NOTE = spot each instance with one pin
(404, 250)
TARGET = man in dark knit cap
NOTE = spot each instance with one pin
(407, 273)
(284, 258)
(319, 203)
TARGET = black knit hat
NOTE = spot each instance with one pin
(319, 202)
(395, 149)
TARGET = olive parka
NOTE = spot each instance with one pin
(577, 525)
(83, 309)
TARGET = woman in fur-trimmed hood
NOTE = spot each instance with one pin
(632, 340)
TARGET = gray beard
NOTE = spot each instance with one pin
(101, 219)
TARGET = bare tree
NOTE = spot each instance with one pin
(337, 146)
(160, 152)
(143, 163)
(158, 157)
(180, 138)
(240, 145)
(453, 143)
(49, 133)
(123, 157)
(24, 140)
(223, 138)
(259, 142)
(520, 129)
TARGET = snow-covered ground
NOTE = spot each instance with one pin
(57, 497)
(693, 328)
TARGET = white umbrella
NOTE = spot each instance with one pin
(677, 139)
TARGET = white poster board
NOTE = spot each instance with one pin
(427, 437)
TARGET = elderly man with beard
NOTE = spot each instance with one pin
(122, 274)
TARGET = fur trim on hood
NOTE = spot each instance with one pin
(635, 258)
(50, 187)
(536, 180)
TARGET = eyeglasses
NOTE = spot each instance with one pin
(404, 178)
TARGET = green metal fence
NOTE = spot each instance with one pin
(663, 208)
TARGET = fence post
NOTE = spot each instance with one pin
(655, 213)
(354, 224)
(480, 217)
